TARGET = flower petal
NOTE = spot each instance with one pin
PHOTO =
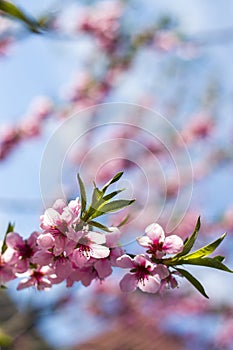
(144, 241)
(26, 282)
(162, 271)
(125, 261)
(46, 241)
(59, 205)
(96, 237)
(50, 218)
(74, 235)
(11, 256)
(13, 240)
(112, 237)
(155, 233)
(103, 268)
(128, 283)
(99, 251)
(151, 284)
(173, 244)
(78, 258)
(142, 261)
(75, 206)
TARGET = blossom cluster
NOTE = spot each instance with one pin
(11, 136)
(67, 250)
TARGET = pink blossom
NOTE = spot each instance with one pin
(6, 273)
(41, 107)
(56, 243)
(103, 268)
(59, 205)
(93, 269)
(112, 237)
(85, 275)
(104, 265)
(142, 274)
(61, 219)
(62, 268)
(169, 281)
(200, 126)
(58, 257)
(40, 278)
(90, 246)
(157, 243)
(53, 219)
(75, 206)
(19, 252)
(29, 127)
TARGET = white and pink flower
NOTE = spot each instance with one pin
(89, 246)
(159, 245)
(19, 252)
(143, 274)
(39, 278)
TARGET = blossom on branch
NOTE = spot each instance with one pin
(159, 245)
(142, 274)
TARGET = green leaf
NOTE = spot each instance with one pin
(83, 194)
(13, 11)
(100, 204)
(124, 221)
(10, 228)
(44, 21)
(96, 198)
(114, 179)
(112, 194)
(189, 242)
(206, 250)
(219, 258)
(99, 225)
(208, 262)
(112, 206)
(193, 281)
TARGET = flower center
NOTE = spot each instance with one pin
(25, 251)
(55, 231)
(38, 275)
(84, 246)
(141, 272)
(154, 247)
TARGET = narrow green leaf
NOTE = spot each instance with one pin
(124, 221)
(114, 179)
(10, 228)
(83, 194)
(208, 262)
(189, 242)
(112, 206)
(219, 258)
(99, 225)
(44, 21)
(11, 10)
(112, 194)
(96, 198)
(193, 281)
(206, 250)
